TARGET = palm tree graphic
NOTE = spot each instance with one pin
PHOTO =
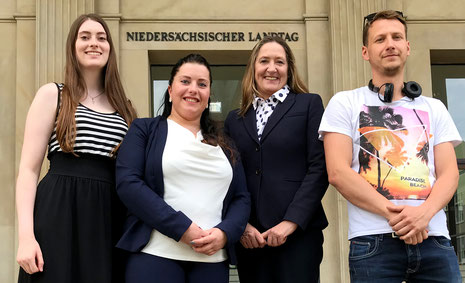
(379, 126)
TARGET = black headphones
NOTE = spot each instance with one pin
(411, 89)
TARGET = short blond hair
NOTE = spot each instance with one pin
(386, 14)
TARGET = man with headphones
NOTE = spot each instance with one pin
(390, 153)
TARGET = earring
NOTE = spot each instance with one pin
(169, 100)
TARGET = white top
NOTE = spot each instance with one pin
(196, 178)
(400, 138)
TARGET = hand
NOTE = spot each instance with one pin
(252, 238)
(29, 256)
(410, 220)
(277, 235)
(417, 238)
(192, 233)
(210, 244)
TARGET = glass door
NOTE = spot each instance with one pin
(225, 92)
(449, 87)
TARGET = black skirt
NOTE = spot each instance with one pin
(78, 219)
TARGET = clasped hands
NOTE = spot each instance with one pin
(275, 236)
(409, 222)
(204, 241)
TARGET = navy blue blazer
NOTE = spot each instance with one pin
(139, 183)
(285, 170)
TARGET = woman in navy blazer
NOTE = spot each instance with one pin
(275, 131)
(141, 182)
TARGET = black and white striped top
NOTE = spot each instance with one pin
(96, 133)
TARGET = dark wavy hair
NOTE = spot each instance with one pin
(211, 134)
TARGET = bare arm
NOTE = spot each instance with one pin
(338, 152)
(39, 125)
(413, 219)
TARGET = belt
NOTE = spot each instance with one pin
(391, 235)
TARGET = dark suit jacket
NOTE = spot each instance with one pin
(285, 170)
(139, 183)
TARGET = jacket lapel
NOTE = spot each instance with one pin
(250, 123)
(277, 114)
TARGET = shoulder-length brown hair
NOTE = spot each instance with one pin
(75, 86)
(249, 87)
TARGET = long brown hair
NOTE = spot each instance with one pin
(211, 134)
(75, 86)
(249, 87)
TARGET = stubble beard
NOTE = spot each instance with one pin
(391, 71)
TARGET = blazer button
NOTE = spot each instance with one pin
(257, 149)
(258, 171)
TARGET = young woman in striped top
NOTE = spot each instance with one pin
(69, 222)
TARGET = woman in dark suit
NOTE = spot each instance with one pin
(275, 131)
(184, 187)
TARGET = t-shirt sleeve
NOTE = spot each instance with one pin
(337, 117)
(446, 131)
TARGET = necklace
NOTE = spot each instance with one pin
(93, 98)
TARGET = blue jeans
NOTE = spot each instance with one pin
(382, 259)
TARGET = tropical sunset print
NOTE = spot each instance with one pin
(394, 145)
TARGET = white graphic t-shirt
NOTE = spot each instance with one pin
(393, 150)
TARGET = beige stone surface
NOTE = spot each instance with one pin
(107, 7)
(7, 150)
(319, 59)
(316, 7)
(335, 251)
(134, 70)
(424, 37)
(114, 26)
(434, 10)
(212, 9)
(25, 78)
(250, 32)
(8, 268)
(25, 7)
(8, 8)
(25, 89)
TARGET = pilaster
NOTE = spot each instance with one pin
(346, 17)
(23, 80)
(349, 71)
(109, 10)
(54, 17)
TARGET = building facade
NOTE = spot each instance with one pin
(149, 37)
